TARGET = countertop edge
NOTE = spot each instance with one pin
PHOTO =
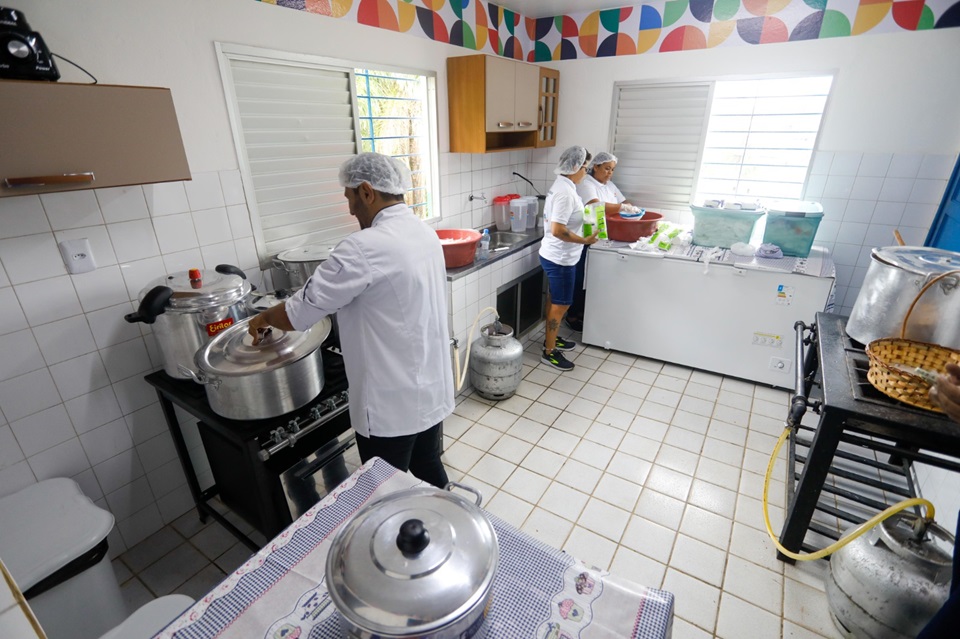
(535, 235)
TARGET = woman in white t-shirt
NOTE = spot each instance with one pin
(596, 186)
(561, 247)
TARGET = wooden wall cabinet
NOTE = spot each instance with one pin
(496, 104)
(549, 95)
(59, 136)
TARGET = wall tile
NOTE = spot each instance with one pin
(71, 209)
(913, 236)
(118, 471)
(49, 300)
(122, 204)
(22, 215)
(175, 232)
(879, 235)
(232, 186)
(108, 326)
(100, 244)
(21, 354)
(919, 215)
(936, 167)
(166, 198)
(247, 257)
(80, 375)
(874, 164)
(136, 275)
(203, 191)
(31, 258)
(839, 186)
(156, 454)
(134, 240)
(4, 280)
(827, 231)
(105, 441)
(212, 226)
(27, 394)
(927, 191)
(16, 477)
(859, 211)
(223, 253)
(43, 430)
(896, 189)
(814, 187)
(93, 409)
(146, 423)
(888, 213)
(851, 233)
(100, 288)
(845, 163)
(846, 254)
(141, 525)
(866, 188)
(10, 452)
(89, 486)
(65, 339)
(175, 503)
(239, 218)
(130, 498)
(904, 165)
(126, 359)
(63, 460)
(133, 394)
(183, 260)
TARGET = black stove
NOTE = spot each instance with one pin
(857, 459)
(268, 471)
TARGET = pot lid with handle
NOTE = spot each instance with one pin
(198, 289)
(231, 352)
(412, 562)
(308, 253)
(920, 260)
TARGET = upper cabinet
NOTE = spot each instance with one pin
(497, 104)
(548, 95)
(66, 137)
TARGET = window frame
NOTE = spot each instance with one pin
(226, 52)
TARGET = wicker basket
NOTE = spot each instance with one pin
(892, 359)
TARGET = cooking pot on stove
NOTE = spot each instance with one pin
(258, 302)
(189, 308)
(280, 374)
(414, 563)
(300, 263)
(894, 279)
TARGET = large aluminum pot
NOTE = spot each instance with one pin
(280, 374)
(415, 563)
(894, 279)
(300, 263)
(188, 309)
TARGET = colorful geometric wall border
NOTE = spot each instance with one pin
(656, 27)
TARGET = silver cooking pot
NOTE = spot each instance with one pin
(894, 279)
(300, 263)
(280, 374)
(414, 563)
(189, 308)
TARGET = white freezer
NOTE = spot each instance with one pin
(734, 320)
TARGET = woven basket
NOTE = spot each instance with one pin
(892, 359)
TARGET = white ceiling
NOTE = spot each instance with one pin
(545, 8)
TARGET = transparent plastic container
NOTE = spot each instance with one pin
(723, 227)
(792, 226)
(518, 216)
(531, 202)
(501, 212)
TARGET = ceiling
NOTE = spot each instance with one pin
(548, 8)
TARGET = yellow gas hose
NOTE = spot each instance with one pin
(846, 539)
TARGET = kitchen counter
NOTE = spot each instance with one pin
(533, 236)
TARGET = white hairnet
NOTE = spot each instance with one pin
(602, 158)
(384, 173)
(571, 160)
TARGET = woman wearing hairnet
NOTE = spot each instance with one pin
(596, 186)
(561, 247)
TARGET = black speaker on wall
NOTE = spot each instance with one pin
(23, 53)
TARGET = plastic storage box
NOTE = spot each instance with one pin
(792, 225)
(723, 227)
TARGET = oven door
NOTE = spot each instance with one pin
(315, 475)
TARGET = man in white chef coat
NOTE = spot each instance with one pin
(387, 284)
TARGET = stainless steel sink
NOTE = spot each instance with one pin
(505, 239)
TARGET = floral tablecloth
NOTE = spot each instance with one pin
(539, 592)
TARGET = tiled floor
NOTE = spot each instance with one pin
(650, 470)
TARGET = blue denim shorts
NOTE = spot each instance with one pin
(561, 281)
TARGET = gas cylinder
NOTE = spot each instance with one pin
(496, 362)
(889, 582)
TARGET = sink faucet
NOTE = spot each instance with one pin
(481, 197)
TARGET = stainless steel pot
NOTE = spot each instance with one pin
(280, 374)
(894, 279)
(188, 309)
(415, 563)
(300, 263)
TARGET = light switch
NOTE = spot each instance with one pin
(77, 255)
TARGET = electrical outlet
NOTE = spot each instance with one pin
(780, 364)
(77, 255)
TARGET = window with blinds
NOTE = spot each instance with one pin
(297, 118)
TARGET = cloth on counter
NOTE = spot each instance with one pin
(743, 249)
(538, 591)
(769, 251)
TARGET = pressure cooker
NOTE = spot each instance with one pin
(893, 281)
(414, 563)
(188, 309)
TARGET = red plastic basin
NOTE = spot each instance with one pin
(459, 246)
(632, 229)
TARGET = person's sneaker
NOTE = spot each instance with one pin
(556, 359)
(565, 345)
(573, 324)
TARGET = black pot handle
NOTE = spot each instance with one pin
(154, 303)
(230, 269)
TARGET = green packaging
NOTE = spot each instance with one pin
(595, 218)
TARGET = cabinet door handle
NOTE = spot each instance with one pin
(540, 117)
(45, 180)
(524, 123)
(504, 125)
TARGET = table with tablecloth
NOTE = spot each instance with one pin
(539, 592)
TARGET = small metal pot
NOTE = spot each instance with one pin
(280, 374)
(894, 279)
(415, 563)
(300, 263)
(189, 308)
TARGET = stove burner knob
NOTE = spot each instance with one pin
(18, 49)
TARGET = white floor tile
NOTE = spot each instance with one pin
(481, 437)
(617, 491)
(638, 569)
(590, 548)
(542, 413)
(713, 498)
(685, 439)
(563, 501)
(660, 508)
(649, 428)
(698, 559)
(807, 607)
(739, 619)
(707, 527)
(529, 389)
(593, 454)
(718, 473)
(604, 519)
(511, 509)
(555, 398)
(605, 434)
(682, 461)
(619, 419)
(754, 583)
(573, 424)
(511, 449)
(498, 419)
(696, 601)
(630, 468)
(669, 482)
(547, 527)
(625, 401)
(639, 446)
(579, 476)
(526, 485)
(649, 538)
(559, 442)
(492, 470)
(527, 430)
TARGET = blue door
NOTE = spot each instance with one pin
(945, 231)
